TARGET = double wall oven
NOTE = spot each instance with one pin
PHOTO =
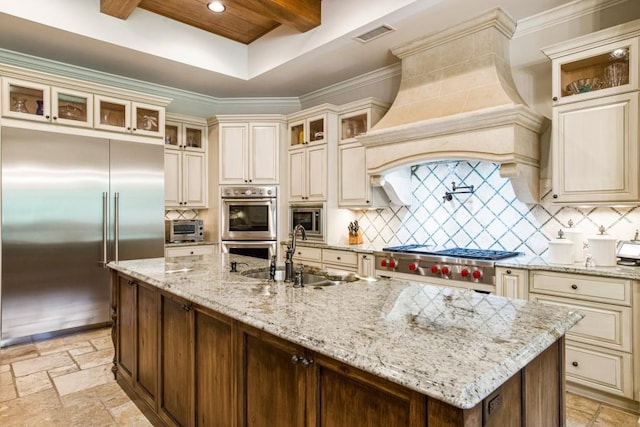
(249, 221)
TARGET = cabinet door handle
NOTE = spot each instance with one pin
(575, 364)
(574, 286)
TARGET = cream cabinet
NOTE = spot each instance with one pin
(599, 350)
(308, 130)
(249, 152)
(308, 174)
(188, 250)
(512, 283)
(334, 259)
(39, 102)
(595, 153)
(121, 115)
(354, 186)
(185, 162)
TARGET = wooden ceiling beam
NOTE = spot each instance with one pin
(302, 15)
(118, 8)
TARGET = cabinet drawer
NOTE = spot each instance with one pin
(307, 254)
(605, 370)
(346, 258)
(603, 324)
(599, 289)
(188, 250)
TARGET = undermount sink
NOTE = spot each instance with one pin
(308, 279)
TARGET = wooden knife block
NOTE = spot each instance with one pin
(355, 240)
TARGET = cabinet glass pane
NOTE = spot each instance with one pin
(194, 137)
(26, 100)
(354, 126)
(171, 134)
(112, 114)
(316, 130)
(71, 107)
(147, 119)
(297, 134)
(609, 69)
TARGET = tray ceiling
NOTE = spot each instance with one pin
(243, 21)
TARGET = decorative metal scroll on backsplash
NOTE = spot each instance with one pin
(462, 189)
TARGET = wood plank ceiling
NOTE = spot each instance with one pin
(243, 20)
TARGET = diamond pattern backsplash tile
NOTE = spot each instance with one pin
(490, 218)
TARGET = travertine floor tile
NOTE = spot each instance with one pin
(16, 412)
(128, 414)
(57, 345)
(577, 418)
(82, 380)
(29, 366)
(7, 392)
(62, 370)
(5, 368)
(6, 378)
(103, 343)
(110, 394)
(18, 352)
(95, 358)
(33, 383)
(582, 404)
(82, 350)
(611, 417)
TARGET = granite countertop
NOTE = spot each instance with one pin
(178, 244)
(453, 345)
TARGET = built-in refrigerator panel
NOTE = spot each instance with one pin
(52, 217)
(137, 183)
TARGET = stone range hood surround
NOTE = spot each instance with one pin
(457, 101)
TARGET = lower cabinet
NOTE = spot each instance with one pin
(185, 365)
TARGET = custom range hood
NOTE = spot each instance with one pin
(457, 101)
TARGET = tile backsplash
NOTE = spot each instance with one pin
(490, 218)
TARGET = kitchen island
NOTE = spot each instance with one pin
(197, 344)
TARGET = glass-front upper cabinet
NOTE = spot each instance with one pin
(125, 116)
(71, 107)
(26, 100)
(589, 73)
(183, 136)
(307, 131)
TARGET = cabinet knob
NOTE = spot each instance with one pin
(186, 307)
(574, 286)
(555, 98)
(368, 202)
(134, 129)
(131, 282)
(47, 117)
(295, 359)
(574, 364)
(365, 257)
(508, 271)
(338, 258)
(307, 362)
(54, 118)
(191, 252)
(555, 196)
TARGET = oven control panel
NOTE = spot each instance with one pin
(248, 192)
(460, 270)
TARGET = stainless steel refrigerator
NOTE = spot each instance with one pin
(69, 205)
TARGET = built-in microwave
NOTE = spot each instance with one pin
(311, 217)
(183, 230)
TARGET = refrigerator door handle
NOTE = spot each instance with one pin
(116, 225)
(105, 228)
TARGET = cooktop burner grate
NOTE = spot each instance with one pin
(479, 254)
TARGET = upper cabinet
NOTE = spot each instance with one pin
(41, 97)
(312, 154)
(595, 147)
(309, 130)
(34, 101)
(248, 148)
(354, 186)
(120, 115)
(185, 163)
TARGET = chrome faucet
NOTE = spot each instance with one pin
(288, 263)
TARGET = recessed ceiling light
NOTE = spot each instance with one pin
(216, 6)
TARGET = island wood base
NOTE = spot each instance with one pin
(186, 365)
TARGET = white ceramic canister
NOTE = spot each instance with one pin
(577, 237)
(602, 248)
(561, 250)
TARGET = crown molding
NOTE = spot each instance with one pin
(562, 14)
(355, 83)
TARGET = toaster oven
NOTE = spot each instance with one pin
(183, 230)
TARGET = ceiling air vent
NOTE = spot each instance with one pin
(375, 33)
